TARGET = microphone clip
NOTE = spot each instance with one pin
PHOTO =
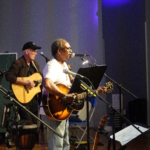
(87, 88)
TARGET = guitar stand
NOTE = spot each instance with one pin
(100, 144)
(102, 131)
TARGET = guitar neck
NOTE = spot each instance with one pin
(101, 126)
(81, 96)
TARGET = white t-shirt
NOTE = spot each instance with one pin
(54, 71)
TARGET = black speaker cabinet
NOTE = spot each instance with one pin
(138, 111)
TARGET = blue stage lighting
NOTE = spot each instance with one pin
(112, 3)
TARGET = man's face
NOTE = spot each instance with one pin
(31, 54)
(66, 51)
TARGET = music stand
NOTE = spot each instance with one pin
(128, 134)
(94, 74)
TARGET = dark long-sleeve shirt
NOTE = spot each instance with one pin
(20, 68)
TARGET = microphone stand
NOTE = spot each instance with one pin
(120, 91)
(6, 93)
(45, 57)
(87, 110)
(119, 85)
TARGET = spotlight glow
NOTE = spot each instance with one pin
(85, 62)
(114, 2)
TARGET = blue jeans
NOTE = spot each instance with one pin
(54, 141)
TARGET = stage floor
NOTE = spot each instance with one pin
(139, 143)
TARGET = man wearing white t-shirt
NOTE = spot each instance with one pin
(53, 75)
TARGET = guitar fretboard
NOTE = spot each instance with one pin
(81, 96)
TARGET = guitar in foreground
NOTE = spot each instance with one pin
(55, 107)
(22, 93)
(100, 127)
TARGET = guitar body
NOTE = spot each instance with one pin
(56, 109)
(96, 140)
(25, 95)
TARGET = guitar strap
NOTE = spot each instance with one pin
(71, 78)
(37, 95)
(29, 72)
(34, 66)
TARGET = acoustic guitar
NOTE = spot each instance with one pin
(55, 107)
(100, 127)
(22, 93)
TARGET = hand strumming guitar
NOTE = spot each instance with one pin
(30, 84)
(69, 98)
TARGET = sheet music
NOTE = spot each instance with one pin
(129, 133)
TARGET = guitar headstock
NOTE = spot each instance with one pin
(109, 87)
(100, 130)
(103, 122)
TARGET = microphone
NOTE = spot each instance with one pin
(44, 56)
(72, 73)
(78, 55)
